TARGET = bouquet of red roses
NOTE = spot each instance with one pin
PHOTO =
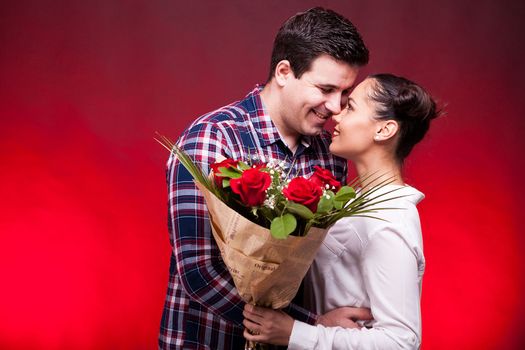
(264, 193)
(269, 227)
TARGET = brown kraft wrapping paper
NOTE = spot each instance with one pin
(266, 271)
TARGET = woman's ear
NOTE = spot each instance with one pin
(387, 130)
(283, 72)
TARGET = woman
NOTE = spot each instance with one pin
(365, 262)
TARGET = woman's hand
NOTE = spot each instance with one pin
(265, 325)
(345, 317)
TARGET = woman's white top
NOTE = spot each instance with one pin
(365, 262)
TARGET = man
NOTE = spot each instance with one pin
(315, 61)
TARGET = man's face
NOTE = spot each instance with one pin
(309, 102)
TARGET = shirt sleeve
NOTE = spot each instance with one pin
(390, 273)
(301, 314)
(199, 264)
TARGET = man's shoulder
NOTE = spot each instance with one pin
(232, 114)
(238, 112)
(224, 122)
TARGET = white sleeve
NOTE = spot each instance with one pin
(391, 279)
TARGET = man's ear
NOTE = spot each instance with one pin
(283, 72)
(386, 130)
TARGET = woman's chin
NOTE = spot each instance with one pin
(335, 151)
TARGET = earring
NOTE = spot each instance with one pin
(377, 138)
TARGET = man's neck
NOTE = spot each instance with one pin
(272, 103)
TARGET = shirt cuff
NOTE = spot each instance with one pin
(301, 314)
(304, 336)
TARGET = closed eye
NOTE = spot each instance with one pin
(349, 106)
(326, 90)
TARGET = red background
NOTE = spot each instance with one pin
(85, 84)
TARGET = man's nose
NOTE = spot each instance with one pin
(333, 104)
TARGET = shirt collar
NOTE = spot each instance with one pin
(410, 193)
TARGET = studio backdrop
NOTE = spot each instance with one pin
(84, 86)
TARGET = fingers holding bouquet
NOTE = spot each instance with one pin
(264, 325)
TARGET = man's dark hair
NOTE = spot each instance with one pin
(318, 31)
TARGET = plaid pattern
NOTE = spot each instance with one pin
(203, 309)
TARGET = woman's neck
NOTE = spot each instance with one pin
(374, 170)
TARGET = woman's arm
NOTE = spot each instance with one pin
(391, 277)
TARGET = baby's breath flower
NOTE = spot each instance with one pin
(270, 202)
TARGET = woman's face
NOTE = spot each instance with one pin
(356, 126)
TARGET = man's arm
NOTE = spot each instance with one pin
(301, 314)
(199, 264)
(275, 326)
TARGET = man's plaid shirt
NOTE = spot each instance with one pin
(203, 309)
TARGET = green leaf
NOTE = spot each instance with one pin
(196, 172)
(282, 226)
(225, 183)
(243, 166)
(300, 210)
(326, 204)
(344, 194)
(267, 213)
(232, 173)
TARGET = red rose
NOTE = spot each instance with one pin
(227, 163)
(304, 192)
(251, 186)
(323, 177)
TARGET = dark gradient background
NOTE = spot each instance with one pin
(84, 85)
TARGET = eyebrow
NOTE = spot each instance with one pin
(335, 87)
(327, 86)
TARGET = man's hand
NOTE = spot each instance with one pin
(266, 325)
(345, 317)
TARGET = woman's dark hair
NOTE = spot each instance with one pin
(406, 102)
(310, 34)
